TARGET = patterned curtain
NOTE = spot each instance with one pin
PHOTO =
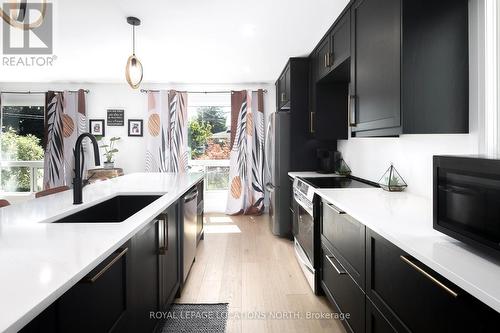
(246, 171)
(166, 136)
(65, 120)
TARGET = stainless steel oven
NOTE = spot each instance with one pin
(304, 230)
(307, 213)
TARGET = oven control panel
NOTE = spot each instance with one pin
(303, 194)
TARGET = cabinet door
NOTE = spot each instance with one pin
(144, 279)
(322, 65)
(375, 321)
(375, 67)
(45, 322)
(99, 302)
(342, 291)
(346, 238)
(340, 42)
(416, 299)
(169, 276)
(284, 89)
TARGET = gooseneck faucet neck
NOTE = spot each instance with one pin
(77, 181)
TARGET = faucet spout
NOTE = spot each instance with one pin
(77, 180)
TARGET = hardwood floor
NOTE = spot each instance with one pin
(240, 262)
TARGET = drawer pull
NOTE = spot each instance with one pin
(339, 271)
(106, 268)
(352, 110)
(283, 97)
(311, 122)
(164, 237)
(430, 277)
(335, 209)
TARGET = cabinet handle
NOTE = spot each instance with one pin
(164, 246)
(430, 277)
(311, 122)
(326, 60)
(106, 268)
(330, 59)
(283, 95)
(335, 209)
(352, 110)
(339, 271)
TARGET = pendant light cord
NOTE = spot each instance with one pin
(133, 40)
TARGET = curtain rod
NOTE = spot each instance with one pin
(201, 92)
(40, 92)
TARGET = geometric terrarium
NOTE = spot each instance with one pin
(392, 181)
(343, 169)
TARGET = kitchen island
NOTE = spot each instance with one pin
(40, 260)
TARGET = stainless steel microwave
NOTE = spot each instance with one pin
(466, 200)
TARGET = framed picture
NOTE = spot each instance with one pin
(135, 127)
(115, 117)
(96, 127)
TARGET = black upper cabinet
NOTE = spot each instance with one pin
(435, 67)
(375, 66)
(283, 89)
(409, 67)
(330, 83)
(333, 49)
(321, 58)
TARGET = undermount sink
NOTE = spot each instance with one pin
(116, 209)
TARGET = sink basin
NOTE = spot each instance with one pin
(116, 209)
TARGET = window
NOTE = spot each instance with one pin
(21, 148)
(209, 137)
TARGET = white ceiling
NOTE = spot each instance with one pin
(184, 41)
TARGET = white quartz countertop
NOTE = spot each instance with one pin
(40, 261)
(406, 221)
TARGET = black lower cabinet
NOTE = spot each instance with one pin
(375, 321)
(45, 322)
(343, 292)
(169, 263)
(98, 303)
(119, 295)
(414, 298)
(144, 277)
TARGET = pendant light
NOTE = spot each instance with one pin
(133, 70)
(20, 7)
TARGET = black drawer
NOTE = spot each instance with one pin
(375, 321)
(342, 291)
(346, 239)
(414, 298)
(99, 301)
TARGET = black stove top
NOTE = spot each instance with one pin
(337, 182)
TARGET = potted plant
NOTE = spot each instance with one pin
(109, 152)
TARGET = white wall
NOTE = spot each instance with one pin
(412, 154)
(102, 96)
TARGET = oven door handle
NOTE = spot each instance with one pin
(335, 209)
(304, 262)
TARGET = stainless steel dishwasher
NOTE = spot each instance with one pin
(189, 230)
